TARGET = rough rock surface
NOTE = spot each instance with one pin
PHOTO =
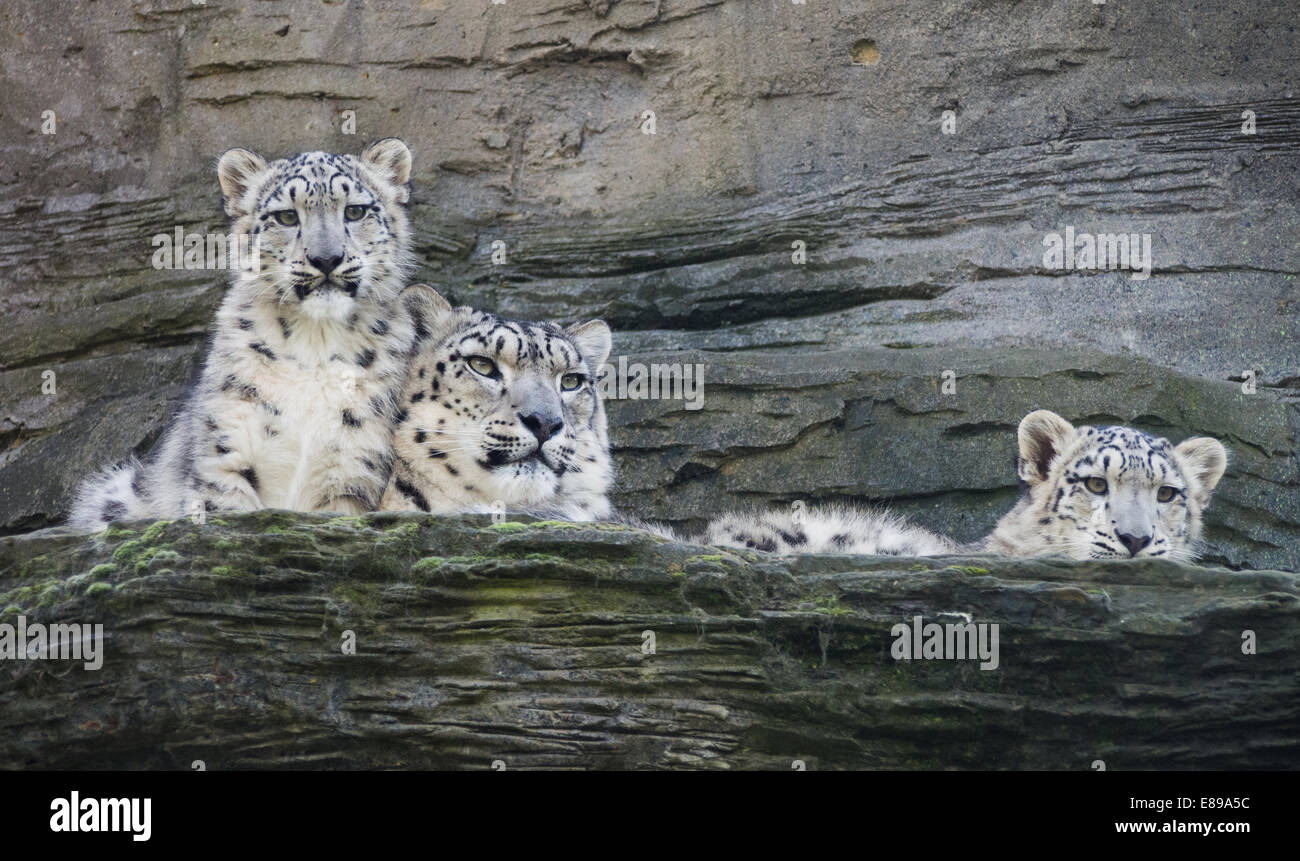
(774, 123)
(528, 645)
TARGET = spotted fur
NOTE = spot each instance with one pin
(1107, 492)
(826, 529)
(502, 415)
(296, 401)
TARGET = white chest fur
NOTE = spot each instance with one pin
(310, 418)
(325, 418)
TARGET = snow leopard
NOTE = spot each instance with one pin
(1089, 493)
(296, 399)
(502, 415)
(1107, 492)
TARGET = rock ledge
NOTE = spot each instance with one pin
(526, 643)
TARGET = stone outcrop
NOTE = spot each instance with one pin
(552, 645)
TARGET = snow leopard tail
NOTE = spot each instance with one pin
(833, 529)
(826, 529)
(113, 494)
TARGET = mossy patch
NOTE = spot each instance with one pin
(830, 605)
(427, 565)
(164, 556)
(155, 531)
(128, 551)
(351, 521)
(511, 526)
(35, 564)
(232, 572)
(46, 593)
(138, 555)
(402, 538)
(707, 561)
(364, 598)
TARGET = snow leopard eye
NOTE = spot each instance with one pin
(355, 212)
(287, 217)
(1096, 485)
(571, 382)
(1165, 494)
(482, 365)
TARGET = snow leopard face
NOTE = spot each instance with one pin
(1109, 492)
(502, 414)
(328, 231)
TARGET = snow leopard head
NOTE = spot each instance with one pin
(502, 414)
(1110, 492)
(326, 231)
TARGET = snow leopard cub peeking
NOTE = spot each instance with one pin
(1107, 492)
(502, 414)
(295, 402)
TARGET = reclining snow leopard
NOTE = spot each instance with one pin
(1090, 493)
(296, 400)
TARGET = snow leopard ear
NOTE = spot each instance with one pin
(431, 314)
(1043, 435)
(238, 171)
(1206, 459)
(391, 159)
(594, 342)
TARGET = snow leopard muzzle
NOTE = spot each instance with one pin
(303, 289)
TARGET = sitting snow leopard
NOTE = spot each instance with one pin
(295, 403)
(1091, 493)
(1107, 492)
(502, 414)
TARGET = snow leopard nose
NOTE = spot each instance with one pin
(326, 263)
(1132, 542)
(542, 425)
